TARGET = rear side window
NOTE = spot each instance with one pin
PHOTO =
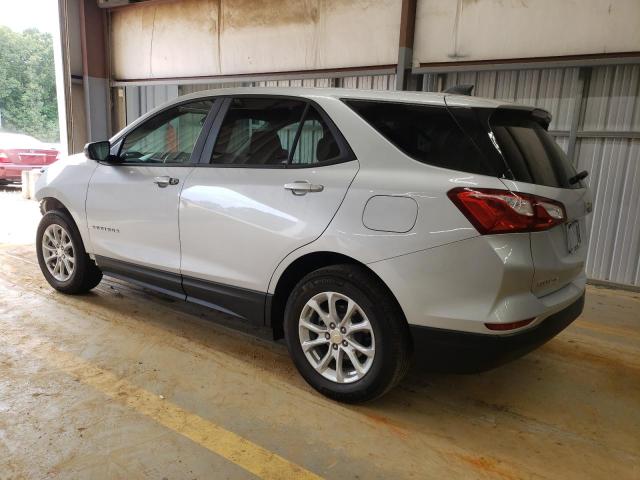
(428, 134)
(531, 153)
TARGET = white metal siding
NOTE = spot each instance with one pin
(140, 100)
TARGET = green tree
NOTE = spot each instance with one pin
(27, 84)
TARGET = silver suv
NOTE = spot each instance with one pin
(358, 225)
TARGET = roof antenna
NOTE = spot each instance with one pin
(460, 89)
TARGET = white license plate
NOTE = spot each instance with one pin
(573, 236)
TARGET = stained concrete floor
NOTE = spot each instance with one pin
(122, 383)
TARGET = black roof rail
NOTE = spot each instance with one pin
(460, 89)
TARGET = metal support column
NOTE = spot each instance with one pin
(579, 104)
(94, 71)
(405, 80)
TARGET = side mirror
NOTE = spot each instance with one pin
(99, 151)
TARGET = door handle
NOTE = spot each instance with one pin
(164, 181)
(302, 187)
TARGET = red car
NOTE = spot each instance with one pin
(21, 152)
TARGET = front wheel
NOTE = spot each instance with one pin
(62, 257)
(346, 334)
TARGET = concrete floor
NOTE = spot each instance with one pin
(121, 383)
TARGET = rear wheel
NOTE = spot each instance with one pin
(346, 335)
(62, 257)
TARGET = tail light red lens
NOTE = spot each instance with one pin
(502, 211)
(4, 158)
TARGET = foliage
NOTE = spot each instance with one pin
(27, 84)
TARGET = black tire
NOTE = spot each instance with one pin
(393, 346)
(86, 275)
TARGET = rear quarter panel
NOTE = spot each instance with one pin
(385, 170)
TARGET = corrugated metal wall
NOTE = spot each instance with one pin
(601, 108)
(551, 89)
(609, 147)
(139, 100)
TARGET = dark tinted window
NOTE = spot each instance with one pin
(258, 131)
(316, 143)
(530, 152)
(425, 133)
(168, 137)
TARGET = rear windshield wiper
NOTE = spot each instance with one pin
(578, 176)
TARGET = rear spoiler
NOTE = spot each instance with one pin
(460, 89)
(538, 114)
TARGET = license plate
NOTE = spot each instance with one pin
(573, 236)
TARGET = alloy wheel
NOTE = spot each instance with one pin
(336, 337)
(58, 252)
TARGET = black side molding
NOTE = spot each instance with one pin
(239, 302)
(244, 304)
(158, 280)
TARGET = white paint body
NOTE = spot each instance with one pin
(240, 227)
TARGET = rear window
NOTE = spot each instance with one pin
(531, 153)
(428, 134)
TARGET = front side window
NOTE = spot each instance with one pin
(169, 137)
(273, 132)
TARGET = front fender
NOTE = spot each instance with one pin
(67, 181)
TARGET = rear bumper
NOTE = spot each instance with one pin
(463, 352)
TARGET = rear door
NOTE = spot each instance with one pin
(276, 174)
(540, 167)
(132, 206)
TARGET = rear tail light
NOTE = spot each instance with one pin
(502, 211)
(4, 158)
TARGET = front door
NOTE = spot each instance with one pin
(132, 205)
(277, 174)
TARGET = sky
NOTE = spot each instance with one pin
(22, 14)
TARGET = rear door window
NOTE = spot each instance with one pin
(258, 131)
(275, 132)
(428, 134)
(316, 144)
